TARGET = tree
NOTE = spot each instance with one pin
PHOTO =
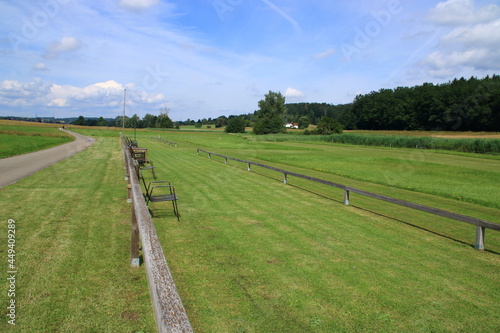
(327, 126)
(163, 120)
(304, 122)
(235, 125)
(271, 114)
(150, 120)
(221, 121)
(80, 121)
(134, 121)
(101, 122)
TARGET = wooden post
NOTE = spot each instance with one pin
(225, 160)
(134, 245)
(209, 155)
(480, 238)
(346, 197)
(248, 167)
(284, 178)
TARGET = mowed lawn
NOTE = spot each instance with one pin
(73, 248)
(251, 254)
(17, 137)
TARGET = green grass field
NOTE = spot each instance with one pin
(251, 254)
(18, 138)
(254, 255)
(73, 248)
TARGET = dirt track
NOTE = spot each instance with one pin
(17, 167)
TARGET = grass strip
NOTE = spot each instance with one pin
(12, 145)
(73, 248)
(467, 145)
(17, 138)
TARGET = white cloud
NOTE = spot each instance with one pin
(293, 93)
(481, 35)
(459, 12)
(138, 4)
(66, 44)
(325, 54)
(472, 43)
(40, 66)
(94, 97)
(482, 59)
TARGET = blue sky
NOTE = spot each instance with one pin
(206, 58)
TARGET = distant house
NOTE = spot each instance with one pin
(292, 125)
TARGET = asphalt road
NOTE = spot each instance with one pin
(17, 167)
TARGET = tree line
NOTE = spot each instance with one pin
(459, 105)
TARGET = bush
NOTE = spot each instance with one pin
(235, 125)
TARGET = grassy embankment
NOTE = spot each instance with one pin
(73, 247)
(252, 254)
(18, 138)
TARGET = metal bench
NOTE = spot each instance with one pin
(140, 161)
(139, 154)
(165, 191)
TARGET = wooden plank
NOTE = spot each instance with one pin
(169, 312)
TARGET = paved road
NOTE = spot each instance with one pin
(17, 167)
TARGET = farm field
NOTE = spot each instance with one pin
(251, 254)
(18, 138)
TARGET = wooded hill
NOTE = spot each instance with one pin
(461, 105)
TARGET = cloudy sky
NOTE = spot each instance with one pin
(206, 58)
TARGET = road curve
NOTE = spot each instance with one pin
(15, 168)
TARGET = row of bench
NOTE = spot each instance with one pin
(172, 144)
(154, 191)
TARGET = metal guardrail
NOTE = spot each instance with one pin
(170, 314)
(480, 224)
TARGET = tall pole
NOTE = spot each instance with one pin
(124, 101)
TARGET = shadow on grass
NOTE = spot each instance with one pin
(396, 219)
(162, 213)
(243, 167)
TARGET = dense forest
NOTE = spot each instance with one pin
(315, 111)
(459, 105)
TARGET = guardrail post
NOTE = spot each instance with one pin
(479, 238)
(225, 160)
(134, 247)
(346, 197)
(209, 155)
(248, 167)
(284, 178)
